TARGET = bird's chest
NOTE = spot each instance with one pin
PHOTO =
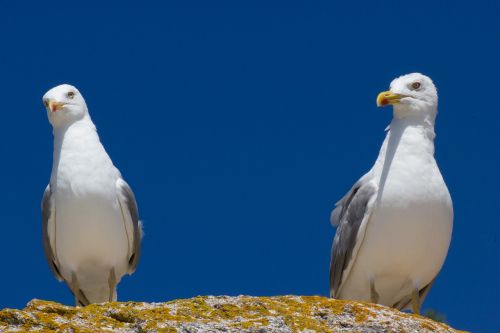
(402, 188)
(82, 173)
(88, 215)
(415, 196)
(413, 209)
(84, 189)
(89, 227)
(86, 200)
(408, 175)
(411, 221)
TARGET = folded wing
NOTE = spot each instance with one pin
(131, 221)
(49, 231)
(351, 216)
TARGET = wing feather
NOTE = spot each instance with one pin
(351, 214)
(131, 221)
(49, 231)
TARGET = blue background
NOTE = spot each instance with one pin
(238, 127)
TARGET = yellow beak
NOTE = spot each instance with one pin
(388, 97)
(54, 106)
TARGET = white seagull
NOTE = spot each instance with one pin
(395, 224)
(90, 224)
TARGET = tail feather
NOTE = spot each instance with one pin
(81, 299)
(100, 294)
(91, 286)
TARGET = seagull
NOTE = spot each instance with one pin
(394, 225)
(90, 223)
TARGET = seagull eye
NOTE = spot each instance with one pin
(71, 94)
(415, 85)
(46, 104)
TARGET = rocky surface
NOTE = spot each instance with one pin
(218, 314)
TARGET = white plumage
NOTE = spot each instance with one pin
(394, 226)
(91, 229)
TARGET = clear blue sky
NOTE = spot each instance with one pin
(239, 126)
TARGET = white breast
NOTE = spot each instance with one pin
(89, 224)
(409, 232)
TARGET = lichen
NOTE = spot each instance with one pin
(216, 314)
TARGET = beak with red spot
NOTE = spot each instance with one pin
(388, 98)
(53, 105)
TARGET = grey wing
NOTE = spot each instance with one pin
(341, 205)
(131, 221)
(48, 231)
(350, 213)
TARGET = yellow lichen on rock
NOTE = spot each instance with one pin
(217, 314)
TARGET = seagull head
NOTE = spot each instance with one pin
(411, 95)
(64, 105)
